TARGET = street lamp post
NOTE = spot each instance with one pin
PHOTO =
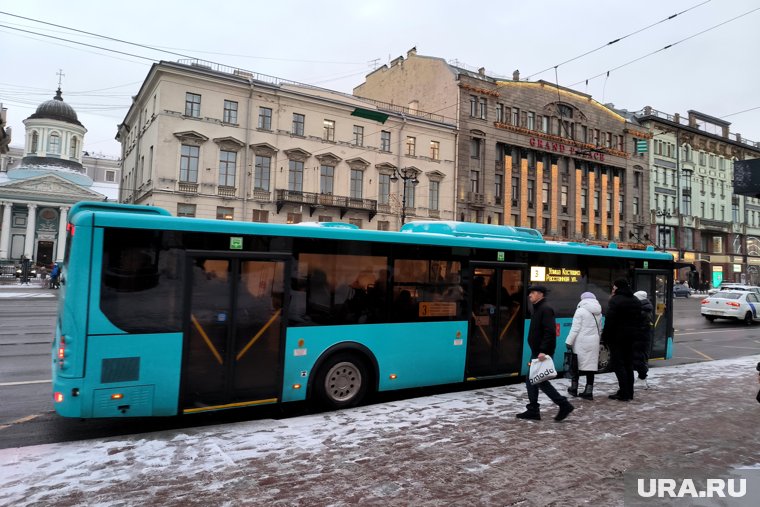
(665, 214)
(405, 174)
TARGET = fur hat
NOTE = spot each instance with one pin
(621, 283)
(588, 295)
(641, 294)
(537, 288)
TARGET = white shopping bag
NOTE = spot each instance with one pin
(541, 370)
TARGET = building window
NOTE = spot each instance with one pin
(435, 150)
(531, 193)
(475, 182)
(295, 176)
(326, 179)
(531, 120)
(383, 225)
(358, 135)
(230, 111)
(545, 193)
(355, 221)
(265, 118)
(357, 184)
(260, 215)
(298, 124)
(545, 124)
(473, 106)
(735, 213)
(325, 218)
(328, 130)
(110, 176)
(262, 173)
(227, 164)
(192, 105)
(74, 147)
(584, 200)
(188, 163)
(54, 144)
(225, 213)
(385, 140)
(185, 209)
(483, 106)
(635, 206)
(499, 113)
(384, 189)
(498, 187)
(563, 197)
(35, 142)
(475, 148)
(434, 192)
(411, 146)
(294, 218)
(409, 193)
(515, 190)
(515, 117)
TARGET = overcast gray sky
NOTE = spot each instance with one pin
(334, 44)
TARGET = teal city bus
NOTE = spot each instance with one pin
(163, 315)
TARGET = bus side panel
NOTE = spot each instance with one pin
(418, 354)
(132, 376)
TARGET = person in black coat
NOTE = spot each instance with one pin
(622, 327)
(542, 340)
(643, 343)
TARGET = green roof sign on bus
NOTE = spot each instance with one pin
(236, 243)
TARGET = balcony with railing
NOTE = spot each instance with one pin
(314, 201)
(188, 187)
(226, 191)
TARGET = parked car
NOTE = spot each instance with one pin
(734, 286)
(681, 291)
(732, 304)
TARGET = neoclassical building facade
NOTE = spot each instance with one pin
(210, 141)
(37, 191)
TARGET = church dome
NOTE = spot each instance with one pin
(57, 109)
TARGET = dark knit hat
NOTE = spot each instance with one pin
(537, 288)
(621, 283)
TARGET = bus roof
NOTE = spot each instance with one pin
(435, 233)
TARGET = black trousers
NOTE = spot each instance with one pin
(622, 365)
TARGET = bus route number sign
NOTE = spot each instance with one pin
(236, 243)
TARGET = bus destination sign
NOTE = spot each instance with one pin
(556, 275)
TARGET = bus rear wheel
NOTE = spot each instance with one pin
(342, 381)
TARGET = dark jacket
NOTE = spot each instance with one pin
(542, 334)
(645, 335)
(622, 324)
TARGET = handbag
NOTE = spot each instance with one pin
(570, 364)
(541, 371)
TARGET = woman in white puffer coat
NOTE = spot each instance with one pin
(585, 335)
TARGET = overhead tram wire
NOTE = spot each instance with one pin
(607, 72)
(617, 40)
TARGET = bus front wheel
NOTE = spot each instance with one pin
(342, 381)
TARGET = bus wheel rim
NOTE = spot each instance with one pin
(343, 381)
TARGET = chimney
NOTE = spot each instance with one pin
(411, 52)
(516, 75)
(482, 71)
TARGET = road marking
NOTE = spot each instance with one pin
(8, 384)
(701, 354)
(19, 421)
(716, 331)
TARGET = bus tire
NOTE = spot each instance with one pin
(342, 381)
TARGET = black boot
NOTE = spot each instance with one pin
(564, 411)
(573, 389)
(588, 392)
(534, 415)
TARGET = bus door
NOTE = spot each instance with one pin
(233, 331)
(497, 303)
(659, 289)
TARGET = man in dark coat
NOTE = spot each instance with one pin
(622, 326)
(542, 339)
(643, 342)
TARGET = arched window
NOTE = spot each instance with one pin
(35, 142)
(74, 148)
(54, 144)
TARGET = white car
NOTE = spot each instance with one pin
(734, 286)
(732, 304)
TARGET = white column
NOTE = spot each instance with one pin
(5, 230)
(31, 221)
(61, 246)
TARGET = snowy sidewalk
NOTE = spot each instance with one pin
(463, 448)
